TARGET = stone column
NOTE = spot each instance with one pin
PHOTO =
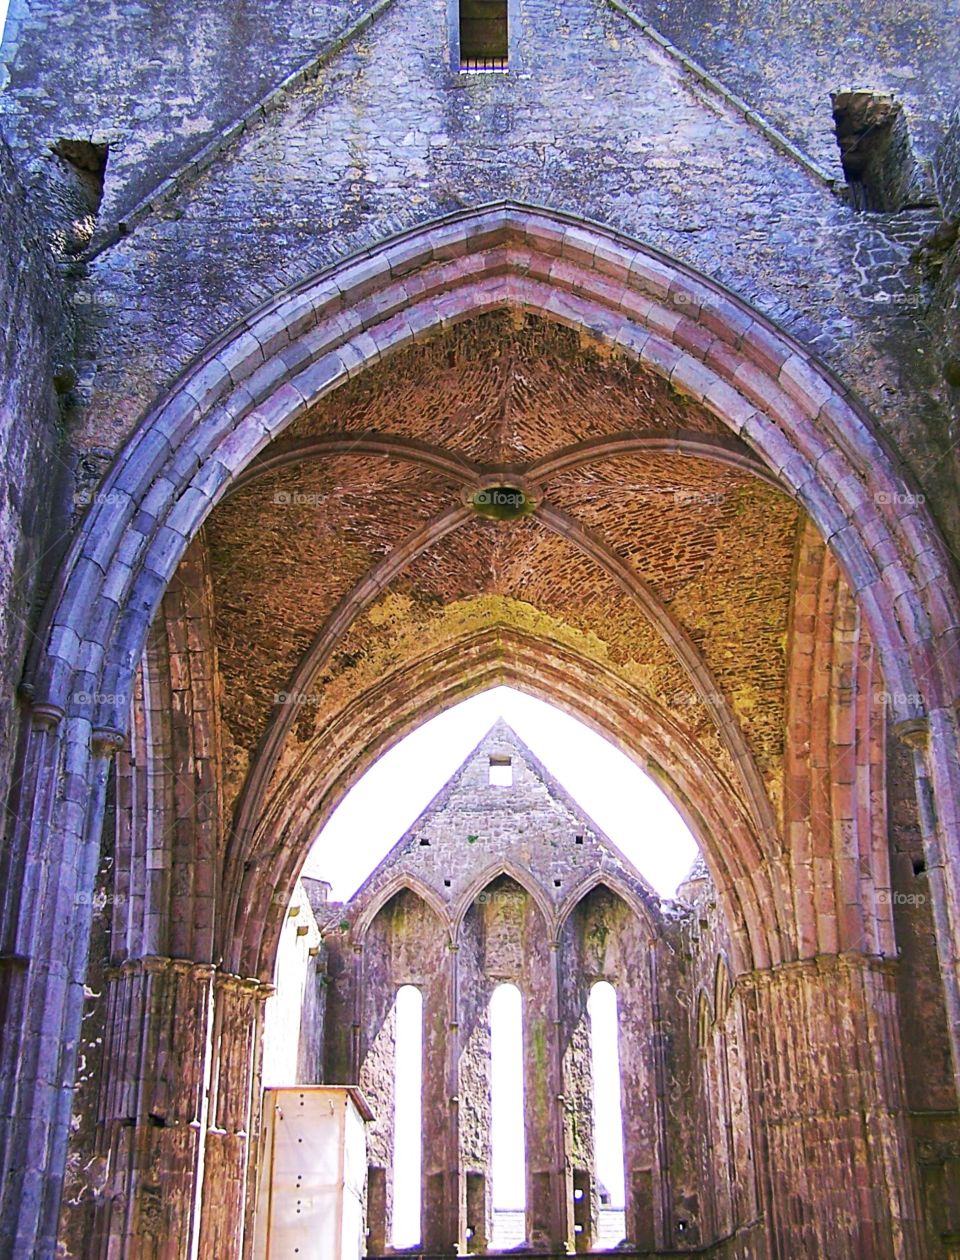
(642, 1083)
(440, 1196)
(470, 1079)
(915, 735)
(454, 1202)
(563, 1235)
(152, 1110)
(229, 1170)
(46, 882)
(826, 1075)
(543, 1091)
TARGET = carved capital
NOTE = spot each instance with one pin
(914, 732)
(107, 740)
(46, 716)
(157, 964)
(820, 964)
(245, 986)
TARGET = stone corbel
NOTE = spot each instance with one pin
(914, 733)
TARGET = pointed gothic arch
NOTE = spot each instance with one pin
(404, 881)
(467, 665)
(810, 433)
(615, 885)
(509, 870)
(444, 251)
(764, 392)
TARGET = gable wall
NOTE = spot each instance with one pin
(656, 966)
(593, 119)
(473, 828)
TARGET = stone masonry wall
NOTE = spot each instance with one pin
(597, 119)
(32, 333)
(709, 1131)
(940, 258)
(926, 1049)
(207, 63)
(389, 135)
(684, 1045)
(948, 167)
(787, 59)
(603, 939)
(154, 82)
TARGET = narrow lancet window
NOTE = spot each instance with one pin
(407, 1117)
(508, 1152)
(607, 1112)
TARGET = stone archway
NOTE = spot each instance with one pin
(807, 431)
(465, 666)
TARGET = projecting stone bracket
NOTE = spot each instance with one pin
(914, 732)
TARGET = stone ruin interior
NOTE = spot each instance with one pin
(357, 358)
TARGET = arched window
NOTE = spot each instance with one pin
(407, 1116)
(607, 1112)
(721, 995)
(508, 1165)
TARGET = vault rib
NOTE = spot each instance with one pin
(673, 634)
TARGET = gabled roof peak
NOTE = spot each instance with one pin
(472, 793)
(501, 729)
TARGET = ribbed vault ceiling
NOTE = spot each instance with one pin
(706, 540)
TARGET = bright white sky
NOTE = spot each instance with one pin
(3, 16)
(619, 797)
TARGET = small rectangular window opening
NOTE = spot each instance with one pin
(501, 772)
(484, 35)
(879, 162)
